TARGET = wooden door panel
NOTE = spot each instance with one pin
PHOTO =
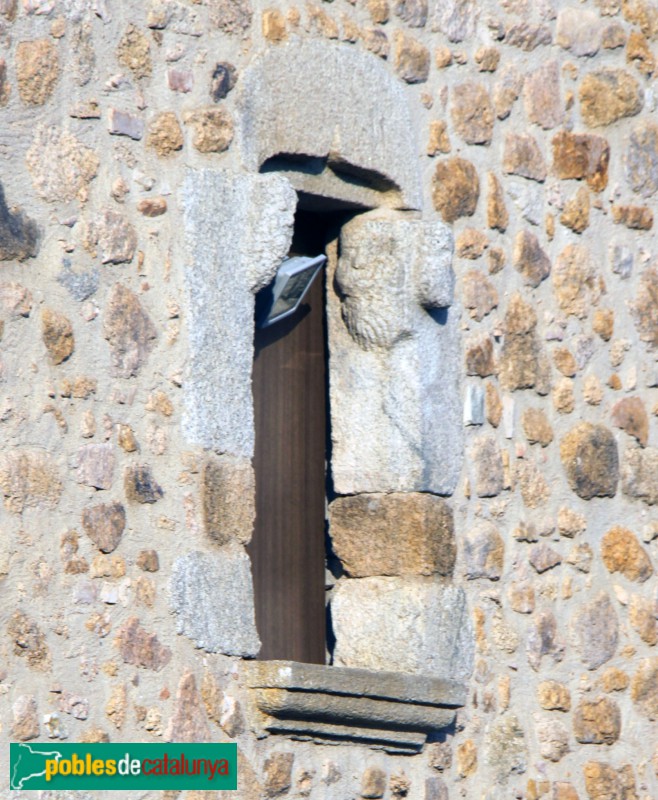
(287, 549)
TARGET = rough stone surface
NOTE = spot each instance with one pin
(472, 113)
(104, 524)
(114, 235)
(37, 70)
(393, 534)
(483, 552)
(456, 19)
(553, 737)
(553, 696)
(61, 165)
(479, 294)
(497, 215)
(640, 474)
(140, 485)
(140, 648)
(373, 782)
(391, 272)
(507, 90)
(277, 773)
(29, 642)
(530, 259)
(372, 619)
(579, 31)
(542, 558)
(519, 365)
(645, 308)
(488, 465)
(597, 721)
(57, 335)
(19, 237)
(95, 465)
(479, 357)
(575, 280)
(29, 479)
(644, 688)
(537, 427)
(25, 718)
(165, 135)
(607, 95)
(231, 16)
(229, 262)
(134, 52)
(308, 114)
(228, 499)
(591, 462)
(576, 211)
(581, 156)
(523, 157)
(456, 189)
(213, 129)
(189, 722)
(631, 416)
(542, 96)
(595, 629)
(622, 552)
(411, 59)
(128, 330)
(223, 587)
(641, 159)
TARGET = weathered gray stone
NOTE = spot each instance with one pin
(395, 362)
(114, 235)
(579, 30)
(639, 474)
(228, 498)
(595, 628)
(641, 160)
(506, 749)
(456, 19)
(393, 534)
(230, 257)
(488, 466)
(553, 738)
(373, 624)
(484, 551)
(95, 465)
(129, 331)
(543, 639)
(121, 123)
(19, 237)
(221, 585)
(337, 103)
(474, 405)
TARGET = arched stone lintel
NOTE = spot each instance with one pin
(330, 101)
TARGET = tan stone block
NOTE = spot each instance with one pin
(613, 36)
(506, 90)
(603, 323)
(553, 696)
(497, 216)
(523, 157)
(529, 259)
(644, 688)
(189, 722)
(570, 522)
(274, 26)
(631, 416)
(565, 362)
(228, 499)
(57, 334)
(471, 243)
(487, 59)
(521, 596)
(104, 524)
(576, 282)
(497, 260)
(37, 70)
(493, 405)
(395, 534)
(581, 156)
(472, 113)
(139, 647)
(537, 427)
(638, 52)
(564, 400)
(277, 773)
(607, 95)
(592, 390)
(134, 52)
(576, 211)
(590, 459)
(455, 189)
(467, 758)
(373, 782)
(645, 307)
(129, 331)
(542, 96)
(29, 642)
(439, 141)
(614, 680)
(379, 11)
(622, 552)
(479, 294)
(165, 135)
(28, 479)
(479, 356)
(488, 466)
(411, 59)
(642, 616)
(117, 706)
(634, 217)
(25, 718)
(597, 721)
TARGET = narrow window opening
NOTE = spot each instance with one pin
(291, 415)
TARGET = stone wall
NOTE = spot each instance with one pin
(127, 504)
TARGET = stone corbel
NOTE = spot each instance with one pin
(386, 710)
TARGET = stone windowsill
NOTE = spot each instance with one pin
(389, 710)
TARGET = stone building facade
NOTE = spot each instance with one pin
(492, 314)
